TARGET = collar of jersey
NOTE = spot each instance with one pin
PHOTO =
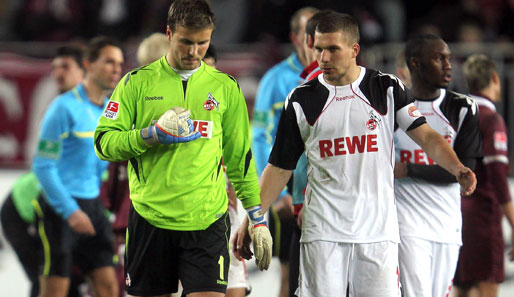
(80, 93)
(355, 82)
(170, 71)
(294, 62)
(482, 101)
(441, 96)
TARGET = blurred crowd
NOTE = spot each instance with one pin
(257, 20)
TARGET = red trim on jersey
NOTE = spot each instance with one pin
(314, 74)
(439, 115)
(335, 93)
(382, 114)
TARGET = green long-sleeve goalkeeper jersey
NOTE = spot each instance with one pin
(180, 186)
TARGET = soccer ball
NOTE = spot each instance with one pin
(176, 122)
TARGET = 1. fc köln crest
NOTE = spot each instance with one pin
(211, 103)
(373, 121)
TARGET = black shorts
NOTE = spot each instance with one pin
(156, 258)
(64, 248)
(24, 239)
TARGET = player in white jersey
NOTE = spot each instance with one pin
(344, 121)
(428, 196)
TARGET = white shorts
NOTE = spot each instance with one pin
(237, 276)
(427, 268)
(329, 269)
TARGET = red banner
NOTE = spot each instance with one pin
(26, 89)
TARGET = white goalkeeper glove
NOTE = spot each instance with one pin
(174, 126)
(261, 237)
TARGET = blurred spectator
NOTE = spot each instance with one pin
(470, 32)
(483, 211)
(402, 70)
(231, 20)
(152, 48)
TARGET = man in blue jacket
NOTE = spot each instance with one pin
(73, 226)
(273, 89)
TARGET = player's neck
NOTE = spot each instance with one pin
(95, 93)
(421, 91)
(488, 93)
(349, 77)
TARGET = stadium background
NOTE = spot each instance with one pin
(251, 36)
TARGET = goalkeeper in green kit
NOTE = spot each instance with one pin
(177, 120)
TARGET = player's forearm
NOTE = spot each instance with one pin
(115, 146)
(273, 181)
(58, 197)
(435, 173)
(438, 149)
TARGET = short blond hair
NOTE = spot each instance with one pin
(152, 48)
(478, 71)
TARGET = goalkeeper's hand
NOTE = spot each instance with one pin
(161, 132)
(261, 237)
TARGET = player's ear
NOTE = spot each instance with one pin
(168, 33)
(310, 41)
(87, 64)
(414, 62)
(356, 48)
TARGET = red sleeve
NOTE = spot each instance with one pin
(497, 172)
(496, 162)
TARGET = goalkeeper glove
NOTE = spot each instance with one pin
(174, 126)
(261, 237)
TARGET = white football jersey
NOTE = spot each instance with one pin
(431, 210)
(347, 134)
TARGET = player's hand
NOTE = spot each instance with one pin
(241, 242)
(400, 170)
(261, 237)
(467, 180)
(262, 245)
(79, 222)
(171, 128)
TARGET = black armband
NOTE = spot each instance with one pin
(435, 173)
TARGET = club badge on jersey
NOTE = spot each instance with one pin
(211, 103)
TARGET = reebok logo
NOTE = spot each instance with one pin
(345, 98)
(147, 98)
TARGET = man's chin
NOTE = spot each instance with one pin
(190, 66)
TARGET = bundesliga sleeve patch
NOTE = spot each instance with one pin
(111, 111)
(500, 141)
(49, 149)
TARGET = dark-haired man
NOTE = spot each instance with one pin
(17, 214)
(73, 227)
(178, 225)
(427, 196)
(344, 121)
